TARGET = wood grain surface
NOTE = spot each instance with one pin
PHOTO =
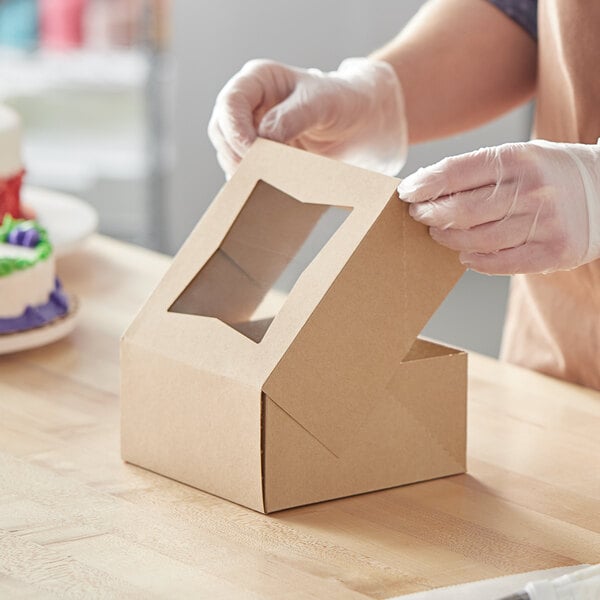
(76, 522)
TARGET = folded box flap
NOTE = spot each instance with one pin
(335, 371)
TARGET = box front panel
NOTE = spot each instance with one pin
(191, 426)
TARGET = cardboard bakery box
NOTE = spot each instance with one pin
(277, 363)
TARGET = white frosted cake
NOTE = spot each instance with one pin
(10, 143)
(31, 285)
(11, 165)
(30, 294)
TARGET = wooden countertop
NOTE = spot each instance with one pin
(76, 522)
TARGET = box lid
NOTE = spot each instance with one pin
(352, 314)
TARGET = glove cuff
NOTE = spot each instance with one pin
(589, 171)
(385, 133)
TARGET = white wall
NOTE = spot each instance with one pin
(211, 41)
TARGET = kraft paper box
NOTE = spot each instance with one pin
(274, 378)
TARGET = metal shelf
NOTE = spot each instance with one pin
(27, 74)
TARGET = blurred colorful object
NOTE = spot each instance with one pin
(61, 23)
(112, 23)
(93, 24)
(19, 24)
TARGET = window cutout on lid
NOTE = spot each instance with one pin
(271, 242)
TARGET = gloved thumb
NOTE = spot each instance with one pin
(290, 118)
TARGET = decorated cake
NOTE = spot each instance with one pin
(31, 297)
(30, 294)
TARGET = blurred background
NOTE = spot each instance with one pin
(115, 97)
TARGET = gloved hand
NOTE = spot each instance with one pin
(354, 114)
(531, 207)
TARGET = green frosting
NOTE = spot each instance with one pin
(42, 250)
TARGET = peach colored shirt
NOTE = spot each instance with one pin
(553, 321)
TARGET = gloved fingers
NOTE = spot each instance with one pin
(241, 96)
(470, 171)
(219, 142)
(227, 164)
(234, 115)
(215, 135)
(305, 108)
(467, 209)
(529, 258)
(228, 159)
(547, 218)
(490, 237)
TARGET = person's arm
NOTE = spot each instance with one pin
(457, 64)
(461, 63)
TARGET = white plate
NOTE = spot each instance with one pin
(40, 336)
(68, 220)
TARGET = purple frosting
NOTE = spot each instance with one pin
(42, 314)
(24, 236)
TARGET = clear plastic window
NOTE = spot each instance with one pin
(272, 241)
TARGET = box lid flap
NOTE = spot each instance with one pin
(278, 179)
(335, 371)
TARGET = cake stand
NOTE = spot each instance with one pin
(40, 336)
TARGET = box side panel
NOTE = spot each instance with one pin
(191, 426)
(433, 393)
(336, 370)
(416, 432)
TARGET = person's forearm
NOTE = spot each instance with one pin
(461, 63)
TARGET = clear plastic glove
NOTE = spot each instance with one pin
(531, 207)
(583, 584)
(354, 114)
